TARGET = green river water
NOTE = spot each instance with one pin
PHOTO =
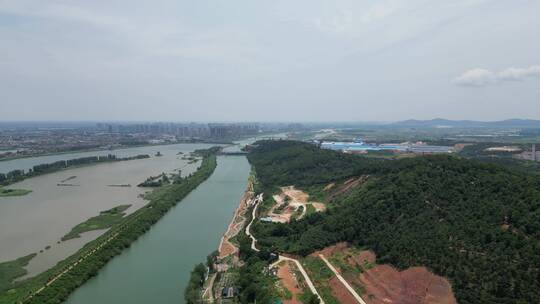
(156, 268)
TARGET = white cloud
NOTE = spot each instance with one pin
(482, 77)
(476, 77)
(520, 74)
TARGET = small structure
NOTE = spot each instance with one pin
(228, 292)
(529, 155)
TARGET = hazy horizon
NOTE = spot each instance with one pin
(306, 61)
(329, 122)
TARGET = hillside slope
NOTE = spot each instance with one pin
(474, 223)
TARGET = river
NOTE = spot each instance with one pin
(156, 268)
(38, 220)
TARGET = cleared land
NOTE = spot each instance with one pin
(290, 282)
(291, 204)
(104, 220)
(383, 284)
(350, 290)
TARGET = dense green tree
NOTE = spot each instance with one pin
(477, 224)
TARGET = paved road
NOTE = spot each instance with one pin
(342, 280)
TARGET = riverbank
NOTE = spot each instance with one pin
(156, 268)
(19, 175)
(105, 219)
(56, 284)
(217, 142)
(54, 210)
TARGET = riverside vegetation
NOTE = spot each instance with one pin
(104, 220)
(55, 284)
(474, 223)
(13, 192)
(19, 175)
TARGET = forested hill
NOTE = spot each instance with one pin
(474, 223)
(287, 162)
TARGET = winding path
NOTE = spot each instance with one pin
(280, 257)
(258, 200)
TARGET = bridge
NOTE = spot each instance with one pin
(232, 153)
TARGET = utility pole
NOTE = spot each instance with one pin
(534, 152)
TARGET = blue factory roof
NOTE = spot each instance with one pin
(359, 146)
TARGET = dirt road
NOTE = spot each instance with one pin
(258, 200)
(303, 272)
(342, 280)
(280, 258)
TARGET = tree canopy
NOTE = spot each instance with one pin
(477, 224)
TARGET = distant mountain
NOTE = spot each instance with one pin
(440, 122)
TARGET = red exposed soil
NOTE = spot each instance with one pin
(226, 249)
(384, 284)
(285, 274)
(415, 285)
(362, 258)
(340, 292)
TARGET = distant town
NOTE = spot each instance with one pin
(30, 139)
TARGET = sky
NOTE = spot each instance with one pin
(280, 60)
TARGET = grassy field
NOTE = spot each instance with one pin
(104, 220)
(13, 192)
(13, 269)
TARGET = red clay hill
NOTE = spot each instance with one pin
(383, 284)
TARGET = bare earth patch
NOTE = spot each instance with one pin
(363, 257)
(288, 280)
(294, 199)
(383, 284)
(340, 292)
(415, 285)
(296, 195)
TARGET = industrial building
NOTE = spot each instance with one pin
(359, 146)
